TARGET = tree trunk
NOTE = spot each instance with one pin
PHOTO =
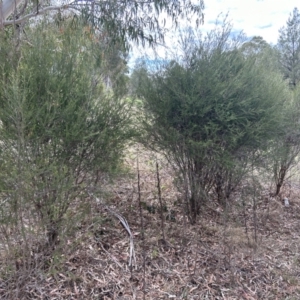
(280, 179)
(7, 7)
(194, 209)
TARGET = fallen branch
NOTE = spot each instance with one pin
(132, 259)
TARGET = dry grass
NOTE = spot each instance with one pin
(218, 258)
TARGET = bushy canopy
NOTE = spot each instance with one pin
(61, 127)
(219, 105)
(221, 100)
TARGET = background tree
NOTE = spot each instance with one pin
(212, 113)
(262, 53)
(254, 46)
(288, 148)
(289, 49)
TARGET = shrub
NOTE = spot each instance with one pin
(61, 128)
(211, 113)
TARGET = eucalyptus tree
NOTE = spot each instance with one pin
(212, 113)
(137, 20)
(254, 46)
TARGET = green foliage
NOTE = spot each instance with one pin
(254, 46)
(263, 53)
(212, 113)
(287, 149)
(289, 49)
(118, 21)
(61, 128)
(139, 21)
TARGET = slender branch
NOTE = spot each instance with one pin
(160, 201)
(142, 225)
(31, 15)
(123, 221)
(7, 7)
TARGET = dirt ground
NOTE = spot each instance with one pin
(249, 252)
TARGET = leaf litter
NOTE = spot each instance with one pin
(218, 258)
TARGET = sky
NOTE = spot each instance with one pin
(253, 17)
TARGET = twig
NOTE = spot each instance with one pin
(142, 226)
(160, 202)
(34, 14)
(112, 257)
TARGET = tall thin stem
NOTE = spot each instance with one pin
(160, 202)
(142, 226)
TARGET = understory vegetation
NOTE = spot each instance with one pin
(175, 181)
(215, 114)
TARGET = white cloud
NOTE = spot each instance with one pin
(254, 17)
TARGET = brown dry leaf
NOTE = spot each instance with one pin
(218, 258)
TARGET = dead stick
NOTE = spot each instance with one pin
(160, 202)
(142, 227)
